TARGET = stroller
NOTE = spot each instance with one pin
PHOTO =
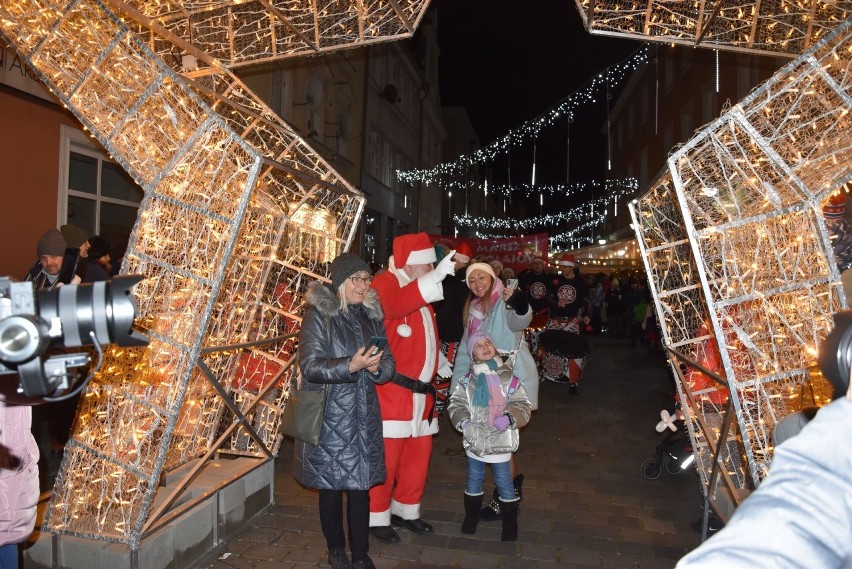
(561, 356)
(673, 453)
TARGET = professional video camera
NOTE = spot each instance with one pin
(69, 316)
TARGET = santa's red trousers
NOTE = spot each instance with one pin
(407, 462)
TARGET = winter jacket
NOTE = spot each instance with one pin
(506, 328)
(19, 489)
(480, 437)
(350, 454)
(801, 514)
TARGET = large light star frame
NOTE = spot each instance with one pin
(775, 27)
(734, 241)
(239, 214)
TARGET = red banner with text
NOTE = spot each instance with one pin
(514, 252)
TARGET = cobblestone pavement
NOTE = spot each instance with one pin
(585, 503)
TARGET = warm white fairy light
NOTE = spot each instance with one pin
(232, 229)
(250, 32)
(735, 246)
(770, 27)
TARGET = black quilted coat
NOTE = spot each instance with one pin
(350, 454)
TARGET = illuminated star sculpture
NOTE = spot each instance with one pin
(736, 248)
(239, 214)
(776, 27)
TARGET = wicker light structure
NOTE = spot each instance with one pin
(777, 27)
(239, 214)
(736, 248)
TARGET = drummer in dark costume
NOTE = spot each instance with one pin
(537, 283)
(561, 351)
(568, 295)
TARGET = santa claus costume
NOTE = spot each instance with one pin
(408, 401)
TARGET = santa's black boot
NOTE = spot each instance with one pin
(472, 504)
(509, 512)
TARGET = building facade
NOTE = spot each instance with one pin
(666, 101)
(52, 172)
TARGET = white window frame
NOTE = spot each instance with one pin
(76, 140)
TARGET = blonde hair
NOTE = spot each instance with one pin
(471, 297)
(371, 300)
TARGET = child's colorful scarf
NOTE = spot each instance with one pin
(488, 389)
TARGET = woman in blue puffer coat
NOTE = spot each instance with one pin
(336, 328)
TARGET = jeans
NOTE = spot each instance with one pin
(9, 556)
(502, 478)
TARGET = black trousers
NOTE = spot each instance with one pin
(357, 517)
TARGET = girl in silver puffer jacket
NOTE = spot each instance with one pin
(488, 406)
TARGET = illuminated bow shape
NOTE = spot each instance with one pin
(667, 421)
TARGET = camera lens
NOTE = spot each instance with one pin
(835, 353)
(22, 337)
(105, 308)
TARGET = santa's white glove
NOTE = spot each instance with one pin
(441, 270)
(445, 368)
(446, 266)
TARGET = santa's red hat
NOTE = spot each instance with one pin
(463, 253)
(568, 261)
(413, 249)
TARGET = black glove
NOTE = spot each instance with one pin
(518, 302)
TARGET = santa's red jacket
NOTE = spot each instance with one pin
(407, 302)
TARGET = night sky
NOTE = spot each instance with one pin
(509, 61)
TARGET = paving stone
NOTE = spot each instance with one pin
(585, 504)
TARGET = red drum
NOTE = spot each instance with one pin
(562, 356)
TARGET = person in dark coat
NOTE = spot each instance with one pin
(94, 265)
(336, 328)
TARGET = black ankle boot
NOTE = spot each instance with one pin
(509, 511)
(472, 504)
(518, 482)
(491, 512)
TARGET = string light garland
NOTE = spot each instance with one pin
(442, 174)
(583, 218)
(622, 186)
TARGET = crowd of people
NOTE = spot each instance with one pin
(458, 337)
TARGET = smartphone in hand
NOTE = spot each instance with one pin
(512, 283)
(376, 345)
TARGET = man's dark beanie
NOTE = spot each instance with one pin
(98, 247)
(74, 236)
(344, 266)
(51, 243)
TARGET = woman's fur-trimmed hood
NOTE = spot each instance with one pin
(323, 298)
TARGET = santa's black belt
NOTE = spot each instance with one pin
(417, 386)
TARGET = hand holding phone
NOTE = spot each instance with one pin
(376, 345)
(512, 283)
